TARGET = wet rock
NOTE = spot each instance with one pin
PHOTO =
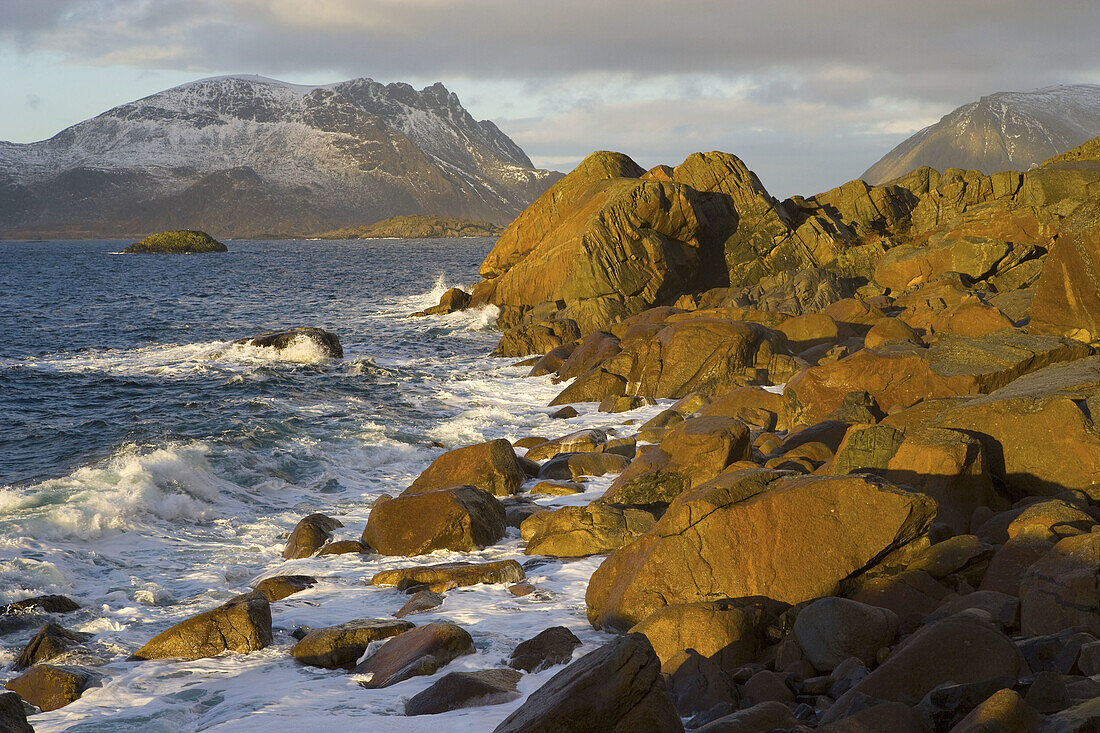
(419, 602)
(557, 488)
(343, 547)
(50, 642)
(309, 535)
(13, 719)
(581, 441)
(453, 299)
(465, 690)
(594, 529)
(452, 574)
(336, 647)
(564, 413)
(50, 687)
(489, 466)
(327, 343)
(830, 630)
(423, 650)
(47, 604)
(616, 688)
(573, 466)
(241, 625)
(463, 518)
(721, 541)
(281, 586)
(548, 648)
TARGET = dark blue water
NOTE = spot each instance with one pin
(102, 350)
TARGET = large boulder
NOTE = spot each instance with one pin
(907, 265)
(1062, 589)
(335, 647)
(959, 649)
(50, 642)
(1067, 298)
(465, 689)
(241, 625)
(727, 632)
(463, 518)
(898, 375)
(756, 533)
(832, 629)
(50, 687)
(1039, 431)
(617, 688)
(549, 648)
(595, 529)
(948, 465)
(13, 718)
(489, 466)
(691, 453)
(605, 244)
(423, 650)
(327, 344)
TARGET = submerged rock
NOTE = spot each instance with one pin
(50, 642)
(341, 646)
(309, 536)
(465, 690)
(327, 343)
(50, 687)
(420, 651)
(452, 574)
(546, 649)
(181, 241)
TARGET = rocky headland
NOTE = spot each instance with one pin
(870, 501)
(416, 227)
(183, 241)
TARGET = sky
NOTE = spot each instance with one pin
(809, 93)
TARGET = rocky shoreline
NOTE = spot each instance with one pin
(869, 501)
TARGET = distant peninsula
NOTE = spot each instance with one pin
(183, 241)
(416, 226)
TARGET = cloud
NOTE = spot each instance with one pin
(33, 101)
(800, 83)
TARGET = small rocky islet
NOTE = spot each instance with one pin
(870, 501)
(182, 241)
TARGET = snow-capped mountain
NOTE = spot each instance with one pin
(248, 156)
(1004, 131)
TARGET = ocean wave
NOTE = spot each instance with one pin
(175, 483)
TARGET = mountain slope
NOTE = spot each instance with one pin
(1004, 131)
(248, 156)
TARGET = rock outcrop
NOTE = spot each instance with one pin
(184, 241)
(327, 344)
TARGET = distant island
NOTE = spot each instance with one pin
(416, 226)
(183, 241)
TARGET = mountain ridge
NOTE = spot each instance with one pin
(998, 132)
(247, 155)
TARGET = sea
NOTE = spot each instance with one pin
(151, 468)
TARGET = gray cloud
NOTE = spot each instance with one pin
(818, 90)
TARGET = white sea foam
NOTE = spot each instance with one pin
(151, 536)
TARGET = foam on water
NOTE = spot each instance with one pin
(161, 527)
